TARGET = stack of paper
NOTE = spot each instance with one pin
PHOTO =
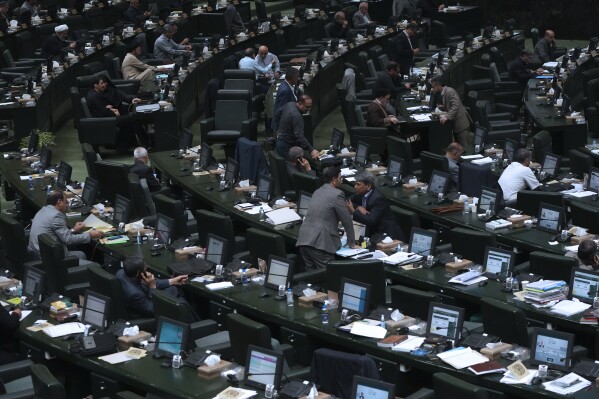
(462, 357)
(508, 378)
(413, 342)
(482, 161)
(235, 393)
(346, 252)
(400, 258)
(569, 308)
(283, 215)
(567, 385)
(61, 330)
(421, 117)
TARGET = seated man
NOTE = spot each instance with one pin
(545, 48)
(297, 163)
(265, 59)
(391, 80)
(165, 47)
(51, 219)
(9, 324)
(377, 114)
(133, 68)
(105, 100)
(261, 70)
(138, 285)
(339, 27)
(140, 167)
(56, 44)
(361, 19)
(5, 16)
(452, 153)
(233, 20)
(517, 176)
(370, 207)
(519, 69)
(587, 255)
(134, 14)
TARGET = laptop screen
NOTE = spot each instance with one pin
(64, 175)
(593, 180)
(264, 187)
(551, 348)
(164, 228)
(438, 183)
(337, 139)
(498, 261)
(422, 242)
(584, 285)
(549, 218)
(488, 200)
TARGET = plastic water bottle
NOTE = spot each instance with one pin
(262, 214)
(19, 289)
(31, 184)
(245, 280)
(325, 314)
(383, 321)
(466, 206)
(289, 297)
(138, 238)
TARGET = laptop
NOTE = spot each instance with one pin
(497, 263)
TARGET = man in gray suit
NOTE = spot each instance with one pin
(361, 19)
(454, 109)
(51, 219)
(318, 238)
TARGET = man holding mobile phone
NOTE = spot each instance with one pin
(298, 163)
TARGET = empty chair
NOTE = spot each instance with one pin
(471, 244)
(45, 385)
(550, 266)
(263, 244)
(580, 163)
(14, 243)
(496, 114)
(542, 144)
(447, 386)
(499, 61)
(400, 148)
(473, 177)
(375, 137)
(221, 226)
(505, 321)
(412, 302)
(113, 178)
(528, 201)
(90, 157)
(16, 380)
(430, 162)
(366, 271)
(438, 35)
(278, 170)
(141, 198)
(305, 182)
(261, 10)
(175, 209)
(406, 220)
(584, 215)
(498, 130)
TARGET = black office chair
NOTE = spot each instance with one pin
(333, 371)
(542, 144)
(584, 215)
(500, 62)
(580, 163)
(261, 10)
(550, 266)
(505, 321)
(220, 225)
(98, 131)
(412, 302)
(400, 148)
(113, 178)
(471, 244)
(406, 220)
(375, 137)
(175, 209)
(305, 182)
(498, 131)
(141, 199)
(496, 113)
(473, 177)
(367, 271)
(63, 273)
(528, 201)
(90, 157)
(263, 244)
(439, 36)
(278, 170)
(15, 380)
(430, 162)
(447, 386)
(107, 283)
(510, 91)
(14, 243)
(45, 385)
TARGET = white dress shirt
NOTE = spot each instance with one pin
(514, 178)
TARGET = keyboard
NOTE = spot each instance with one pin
(555, 188)
(587, 368)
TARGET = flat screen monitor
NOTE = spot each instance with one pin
(303, 203)
(550, 218)
(216, 249)
(423, 242)
(34, 281)
(264, 188)
(278, 272)
(164, 228)
(367, 388)
(396, 167)
(511, 146)
(33, 141)
(205, 156)
(498, 261)
(584, 285)
(186, 139)
(95, 310)
(362, 153)
(489, 200)
(171, 337)
(337, 139)
(231, 171)
(90, 191)
(64, 175)
(551, 164)
(593, 183)
(593, 44)
(552, 348)
(438, 183)
(480, 135)
(445, 320)
(566, 104)
(45, 157)
(354, 296)
(263, 367)
(122, 209)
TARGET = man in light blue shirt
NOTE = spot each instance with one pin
(265, 59)
(165, 47)
(249, 62)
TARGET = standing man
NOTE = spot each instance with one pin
(285, 93)
(51, 219)
(57, 43)
(318, 238)
(545, 48)
(369, 207)
(165, 47)
(133, 68)
(453, 153)
(265, 59)
(233, 20)
(141, 168)
(517, 176)
(31, 7)
(361, 18)
(401, 8)
(290, 122)
(519, 69)
(406, 51)
(339, 27)
(454, 109)
(4, 16)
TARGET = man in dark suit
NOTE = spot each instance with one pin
(545, 48)
(519, 69)
(140, 168)
(4, 16)
(391, 80)
(369, 207)
(285, 93)
(318, 238)
(9, 323)
(406, 51)
(339, 27)
(57, 44)
(429, 7)
(361, 19)
(454, 111)
(138, 285)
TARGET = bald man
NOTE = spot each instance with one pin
(361, 19)
(265, 59)
(545, 48)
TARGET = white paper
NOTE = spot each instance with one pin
(399, 258)
(508, 378)
(25, 313)
(413, 342)
(462, 357)
(581, 194)
(348, 172)
(569, 308)
(116, 358)
(376, 254)
(554, 387)
(550, 64)
(256, 209)
(421, 117)
(219, 286)
(346, 252)
(475, 156)
(366, 330)
(482, 161)
(61, 330)
(92, 221)
(283, 215)
(244, 393)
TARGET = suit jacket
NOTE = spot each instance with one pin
(319, 229)
(359, 21)
(543, 51)
(429, 8)
(405, 54)
(53, 47)
(285, 95)
(455, 110)
(337, 30)
(379, 218)
(386, 81)
(132, 67)
(50, 220)
(145, 172)
(138, 296)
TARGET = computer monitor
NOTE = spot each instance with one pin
(489, 200)
(205, 156)
(354, 296)
(303, 203)
(367, 388)
(438, 183)
(593, 181)
(576, 54)
(278, 272)
(488, 32)
(511, 146)
(550, 218)
(231, 171)
(171, 337)
(164, 229)
(64, 175)
(33, 141)
(498, 261)
(445, 320)
(362, 153)
(584, 285)
(337, 139)
(122, 210)
(45, 157)
(263, 367)
(593, 44)
(423, 242)
(90, 191)
(551, 164)
(396, 168)
(552, 348)
(480, 135)
(216, 249)
(186, 139)
(95, 310)
(34, 281)
(369, 271)
(264, 188)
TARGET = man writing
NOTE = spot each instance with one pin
(519, 70)
(133, 68)
(377, 114)
(361, 19)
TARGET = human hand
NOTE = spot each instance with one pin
(17, 311)
(304, 164)
(72, 45)
(179, 280)
(393, 119)
(443, 119)
(148, 279)
(314, 154)
(185, 41)
(78, 227)
(416, 51)
(350, 206)
(362, 210)
(345, 24)
(96, 234)
(136, 100)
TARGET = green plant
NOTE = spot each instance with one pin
(45, 138)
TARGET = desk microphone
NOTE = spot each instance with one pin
(80, 199)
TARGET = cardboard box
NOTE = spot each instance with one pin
(392, 246)
(495, 353)
(245, 189)
(455, 266)
(319, 297)
(125, 342)
(407, 321)
(213, 371)
(576, 240)
(518, 220)
(251, 272)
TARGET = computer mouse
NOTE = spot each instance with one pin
(209, 188)
(482, 283)
(536, 381)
